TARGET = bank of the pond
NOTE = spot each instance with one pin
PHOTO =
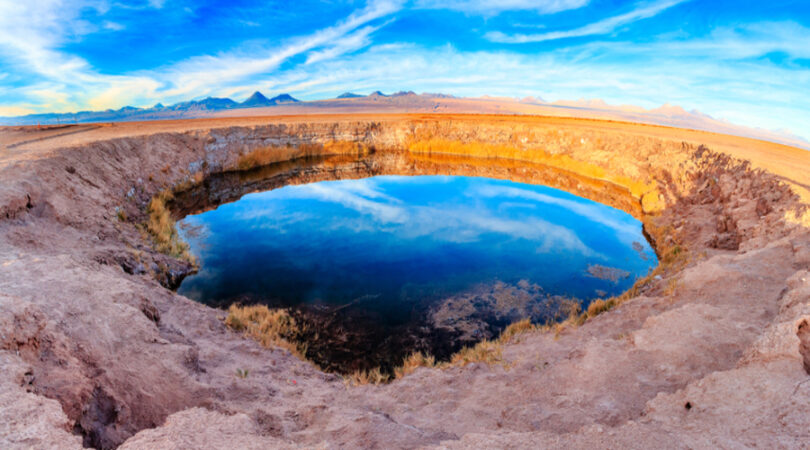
(376, 269)
(92, 342)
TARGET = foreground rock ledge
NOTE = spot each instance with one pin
(94, 350)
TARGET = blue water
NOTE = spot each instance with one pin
(386, 240)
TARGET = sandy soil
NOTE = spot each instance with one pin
(93, 349)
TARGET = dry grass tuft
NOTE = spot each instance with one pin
(599, 306)
(514, 330)
(269, 327)
(672, 285)
(413, 362)
(488, 352)
(160, 227)
(363, 377)
(672, 259)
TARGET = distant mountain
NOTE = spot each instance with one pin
(193, 108)
(407, 101)
(284, 98)
(437, 95)
(259, 100)
(206, 104)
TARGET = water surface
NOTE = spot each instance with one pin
(405, 254)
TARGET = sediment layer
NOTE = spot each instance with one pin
(95, 349)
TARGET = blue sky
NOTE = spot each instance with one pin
(744, 61)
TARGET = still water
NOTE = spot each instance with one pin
(394, 249)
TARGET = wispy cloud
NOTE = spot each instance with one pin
(200, 74)
(32, 34)
(604, 26)
(15, 110)
(722, 74)
(750, 72)
(492, 7)
(346, 44)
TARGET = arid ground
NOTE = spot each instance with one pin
(711, 351)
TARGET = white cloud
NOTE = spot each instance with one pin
(197, 75)
(15, 111)
(605, 26)
(113, 26)
(492, 7)
(32, 33)
(731, 43)
(722, 74)
(347, 44)
(30, 30)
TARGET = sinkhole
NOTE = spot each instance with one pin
(375, 260)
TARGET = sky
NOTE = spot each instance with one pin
(745, 61)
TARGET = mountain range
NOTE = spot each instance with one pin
(189, 109)
(192, 108)
(409, 102)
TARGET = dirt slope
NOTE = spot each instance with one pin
(94, 349)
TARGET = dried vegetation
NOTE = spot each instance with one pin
(160, 227)
(267, 155)
(270, 327)
(638, 189)
(486, 352)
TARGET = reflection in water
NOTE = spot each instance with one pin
(396, 263)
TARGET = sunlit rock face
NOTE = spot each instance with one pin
(388, 265)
